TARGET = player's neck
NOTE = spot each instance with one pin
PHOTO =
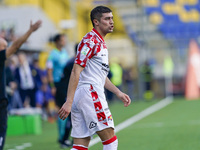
(59, 47)
(100, 32)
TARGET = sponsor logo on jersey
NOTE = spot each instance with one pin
(85, 50)
(92, 125)
(105, 67)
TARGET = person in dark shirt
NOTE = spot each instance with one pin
(61, 94)
(4, 54)
(10, 85)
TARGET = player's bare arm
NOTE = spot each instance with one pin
(51, 81)
(49, 75)
(73, 82)
(122, 96)
(17, 44)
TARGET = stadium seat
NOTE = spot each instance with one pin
(181, 26)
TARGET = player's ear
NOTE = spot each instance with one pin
(96, 22)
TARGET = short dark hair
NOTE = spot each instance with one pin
(57, 37)
(96, 13)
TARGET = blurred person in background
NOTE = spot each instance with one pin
(4, 54)
(26, 76)
(3, 33)
(86, 100)
(36, 71)
(11, 85)
(146, 71)
(61, 94)
(56, 62)
(15, 101)
(13, 63)
(117, 73)
(129, 75)
(109, 95)
(43, 94)
(10, 36)
(44, 99)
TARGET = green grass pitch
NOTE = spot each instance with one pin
(174, 127)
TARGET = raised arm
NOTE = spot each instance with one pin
(122, 96)
(73, 82)
(17, 43)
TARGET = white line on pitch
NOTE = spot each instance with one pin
(20, 147)
(139, 116)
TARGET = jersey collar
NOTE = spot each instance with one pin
(97, 33)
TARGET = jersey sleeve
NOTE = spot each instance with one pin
(85, 51)
(2, 56)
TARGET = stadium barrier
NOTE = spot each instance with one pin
(24, 121)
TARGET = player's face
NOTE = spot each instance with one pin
(106, 23)
(62, 40)
(21, 58)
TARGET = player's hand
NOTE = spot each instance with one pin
(35, 26)
(64, 111)
(124, 98)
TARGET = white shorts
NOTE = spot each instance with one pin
(90, 112)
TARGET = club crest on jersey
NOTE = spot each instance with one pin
(92, 125)
(85, 50)
(110, 118)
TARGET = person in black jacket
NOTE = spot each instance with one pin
(4, 54)
(61, 94)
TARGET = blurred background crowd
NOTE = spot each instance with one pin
(150, 39)
(149, 50)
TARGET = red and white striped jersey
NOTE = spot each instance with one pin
(92, 54)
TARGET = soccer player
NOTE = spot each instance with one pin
(85, 98)
(4, 54)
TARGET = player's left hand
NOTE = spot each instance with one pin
(124, 98)
(64, 111)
